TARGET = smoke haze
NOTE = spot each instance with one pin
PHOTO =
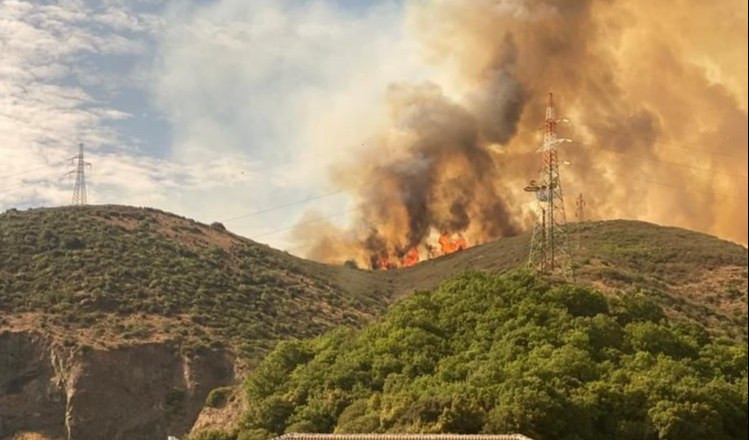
(657, 98)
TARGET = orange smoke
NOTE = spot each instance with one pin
(452, 158)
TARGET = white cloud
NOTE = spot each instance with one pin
(261, 98)
(298, 83)
(46, 110)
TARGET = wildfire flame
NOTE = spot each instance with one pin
(383, 263)
(412, 257)
(447, 245)
(452, 245)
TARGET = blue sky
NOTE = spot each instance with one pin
(211, 109)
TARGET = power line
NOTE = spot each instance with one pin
(674, 163)
(308, 199)
(343, 190)
(306, 222)
(251, 169)
(672, 144)
(680, 187)
(31, 170)
(359, 208)
(37, 180)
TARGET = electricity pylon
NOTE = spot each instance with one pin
(79, 191)
(550, 252)
(580, 208)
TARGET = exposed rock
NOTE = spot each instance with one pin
(32, 393)
(139, 391)
(225, 417)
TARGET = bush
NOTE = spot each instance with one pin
(218, 397)
(508, 353)
(72, 243)
(175, 397)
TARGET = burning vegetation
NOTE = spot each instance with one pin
(445, 245)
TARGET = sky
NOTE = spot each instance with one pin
(202, 108)
(247, 112)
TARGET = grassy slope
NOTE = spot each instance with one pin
(692, 275)
(111, 273)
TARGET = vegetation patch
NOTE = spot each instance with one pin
(503, 354)
(93, 267)
(218, 397)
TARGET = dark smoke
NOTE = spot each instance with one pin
(499, 102)
(457, 165)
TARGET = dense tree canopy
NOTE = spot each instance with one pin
(513, 353)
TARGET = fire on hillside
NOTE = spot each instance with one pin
(447, 160)
(445, 245)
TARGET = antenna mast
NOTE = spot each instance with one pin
(549, 252)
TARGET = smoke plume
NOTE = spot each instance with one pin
(657, 99)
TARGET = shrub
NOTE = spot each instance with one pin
(510, 353)
(218, 397)
(174, 397)
(72, 243)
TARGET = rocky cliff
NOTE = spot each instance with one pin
(134, 391)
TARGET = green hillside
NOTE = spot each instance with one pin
(114, 277)
(693, 276)
(114, 273)
(513, 353)
(117, 273)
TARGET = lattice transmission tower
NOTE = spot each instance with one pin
(550, 251)
(79, 191)
(580, 205)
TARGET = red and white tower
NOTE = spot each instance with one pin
(549, 252)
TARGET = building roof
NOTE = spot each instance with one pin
(302, 436)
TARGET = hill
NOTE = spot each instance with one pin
(89, 268)
(89, 294)
(84, 265)
(134, 315)
(515, 353)
(693, 276)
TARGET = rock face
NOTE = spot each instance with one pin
(32, 394)
(137, 391)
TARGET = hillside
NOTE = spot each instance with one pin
(693, 276)
(90, 268)
(135, 315)
(83, 266)
(501, 354)
(87, 294)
